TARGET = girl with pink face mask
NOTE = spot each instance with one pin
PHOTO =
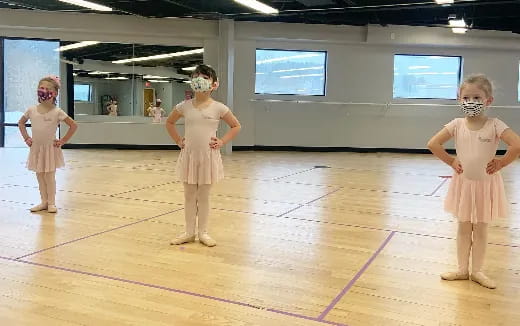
(45, 154)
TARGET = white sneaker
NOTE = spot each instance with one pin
(183, 238)
(206, 240)
(454, 276)
(38, 208)
(483, 280)
(52, 209)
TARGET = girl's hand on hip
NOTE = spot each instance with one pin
(216, 143)
(58, 143)
(494, 166)
(457, 166)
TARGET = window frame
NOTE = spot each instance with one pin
(325, 64)
(459, 75)
(90, 88)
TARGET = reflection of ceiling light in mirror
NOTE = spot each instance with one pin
(459, 30)
(158, 81)
(258, 6)
(187, 81)
(74, 74)
(88, 4)
(161, 56)
(444, 2)
(154, 77)
(99, 73)
(76, 45)
(117, 78)
(189, 68)
(457, 23)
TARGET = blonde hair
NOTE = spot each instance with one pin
(55, 81)
(51, 80)
(481, 81)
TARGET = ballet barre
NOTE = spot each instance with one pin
(388, 104)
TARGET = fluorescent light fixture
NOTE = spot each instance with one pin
(117, 78)
(161, 56)
(158, 81)
(189, 68)
(300, 69)
(444, 2)
(299, 56)
(187, 81)
(76, 45)
(459, 30)
(258, 6)
(99, 73)
(74, 74)
(457, 23)
(154, 77)
(88, 4)
(299, 76)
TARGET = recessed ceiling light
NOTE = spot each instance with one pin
(88, 4)
(258, 6)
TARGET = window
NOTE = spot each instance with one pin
(426, 76)
(286, 72)
(82, 93)
(25, 62)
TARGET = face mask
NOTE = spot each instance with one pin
(199, 84)
(472, 109)
(44, 95)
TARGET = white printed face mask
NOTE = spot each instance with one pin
(472, 109)
(200, 84)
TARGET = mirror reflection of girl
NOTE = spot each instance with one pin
(156, 112)
(45, 154)
(200, 164)
(112, 108)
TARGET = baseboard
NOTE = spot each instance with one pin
(333, 149)
(120, 146)
(267, 148)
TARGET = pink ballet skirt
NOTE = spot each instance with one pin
(475, 196)
(200, 167)
(197, 162)
(45, 158)
(477, 201)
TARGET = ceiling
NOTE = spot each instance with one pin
(485, 14)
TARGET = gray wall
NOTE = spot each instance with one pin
(359, 71)
(362, 72)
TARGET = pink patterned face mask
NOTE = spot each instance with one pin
(44, 95)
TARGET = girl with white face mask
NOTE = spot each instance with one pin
(200, 164)
(476, 195)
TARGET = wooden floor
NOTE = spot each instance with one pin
(359, 243)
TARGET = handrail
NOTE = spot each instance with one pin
(373, 104)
